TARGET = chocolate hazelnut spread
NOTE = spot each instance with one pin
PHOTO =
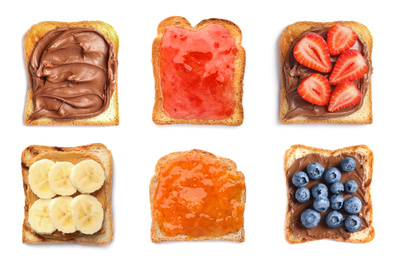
(74, 72)
(73, 157)
(296, 208)
(295, 73)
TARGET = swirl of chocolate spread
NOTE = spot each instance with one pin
(74, 72)
(295, 73)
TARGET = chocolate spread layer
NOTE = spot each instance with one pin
(295, 73)
(322, 230)
(74, 72)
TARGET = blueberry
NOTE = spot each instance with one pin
(300, 179)
(319, 190)
(334, 219)
(352, 205)
(351, 186)
(336, 202)
(332, 175)
(302, 195)
(348, 164)
(337, 187)
(321, 204)
(314, 170)
(310, 218)
(352, 223)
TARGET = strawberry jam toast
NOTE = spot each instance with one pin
(326, 73)
(198, 72)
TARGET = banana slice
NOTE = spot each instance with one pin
(60, 214)
(59, 178)
(39, 218)
(88, 213)
(87, 176)
(39, 180)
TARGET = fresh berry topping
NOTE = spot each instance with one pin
(319, 190)
(302, 195)
(344, 95)
(332, 175)
(334, 219)
(312, 52)
(337, 187)
(310, 218)
(352, 223)
(336, 202)
(349, 66)
(351, 186)
(352, 205)
(321, 204)
(348, 164)
(300, 179)
(340, 38)
(315, 89)
(314, 170)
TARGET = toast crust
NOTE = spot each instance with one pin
(289, 35)
(95, 151)
(299, 151)
(160, 117)
(156, 235)
(110, 116)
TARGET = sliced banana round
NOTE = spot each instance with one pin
(39, 218)
(87, 176)
(88, 213)
(39, 180)
(60, 214)
(59, 178)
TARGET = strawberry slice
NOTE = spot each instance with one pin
(340, 38)
(344, 95)
(315, 89)
(312, 51)
(350, 66)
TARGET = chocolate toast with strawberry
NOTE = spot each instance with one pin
(326, 73)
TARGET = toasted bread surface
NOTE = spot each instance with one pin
(296, 152)
(35, 33)
(97, 152)
(288, 36)
(157, 236)
(159, 116)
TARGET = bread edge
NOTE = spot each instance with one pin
(159, 116)
(32, 36)
(289, 34)
(156, 235)
(102, 239)
(298, 151)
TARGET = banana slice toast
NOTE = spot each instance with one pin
(68, 194)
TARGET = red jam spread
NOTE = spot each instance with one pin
(197, 196)
(196, 71)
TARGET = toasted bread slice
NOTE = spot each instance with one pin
(111, 115)
(97, 152)
(295, 159)
(363, 115)
(157, 235)
(159, 116)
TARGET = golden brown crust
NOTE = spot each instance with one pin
(291, 32)
(97, 151)
(298, 151)
(156, 235)
(35, 33)
(159, 117)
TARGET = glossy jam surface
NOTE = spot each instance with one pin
(196, 72)
(196, 196)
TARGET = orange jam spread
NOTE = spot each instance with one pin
(197, 196)
(196, 72)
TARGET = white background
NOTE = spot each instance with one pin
(257, 146)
